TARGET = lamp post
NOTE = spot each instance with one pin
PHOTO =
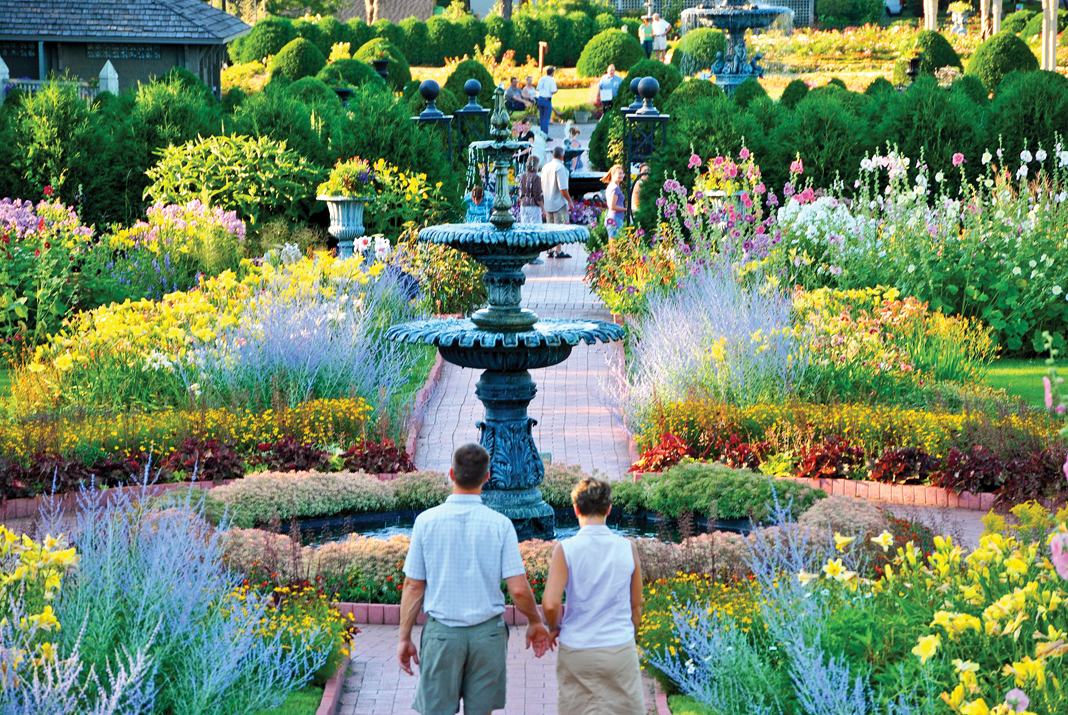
(644, 132)
(429, 91)
(472, 122)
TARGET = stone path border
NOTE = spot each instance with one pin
(333, 688)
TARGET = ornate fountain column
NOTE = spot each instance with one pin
(507, 341)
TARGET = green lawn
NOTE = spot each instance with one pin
(300, 702)
(1022, 378)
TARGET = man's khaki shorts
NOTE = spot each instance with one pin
(468, 663)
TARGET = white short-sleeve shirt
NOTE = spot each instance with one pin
(546, 87)
(553, 184)
(463, 550)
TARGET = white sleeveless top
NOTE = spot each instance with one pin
(599, 569)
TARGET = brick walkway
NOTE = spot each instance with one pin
(575, 423)
(375, 684)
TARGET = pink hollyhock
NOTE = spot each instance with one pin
(759, 189)
(695, 161)
(808, 195)
(744, 153)
(1058, 547)
(48, 191)
(958, 159)
(796, 166)
(1049, 393)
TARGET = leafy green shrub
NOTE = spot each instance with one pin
(690, 91)
(999, 55)
(935, 52)
(1030, 110)
(971, 85)
(879, 86)
(1033, 28)
(605, 21)
(794, 93)
(471, 69)
(606, 142)
(442, 40)
(188, 81)
(351, 72)
(418, 491)
(297, 60)
(417, 41)
(831, 139)
(312, 90)
(275, 114)
(610, 47)
(216, 171)
(697, 50)
(332, 32)
(850, 517)
(473, 32)
(399, 72)
(526, 32)
(447, 102)
(390, 32)
(749, 91)
(308, 30)
(267, 38)
(842, 13)
(359, 32)
(496, 26)
(668, 77)
(582, 31)
(714, 489)
(1017, 21)
(559, 480)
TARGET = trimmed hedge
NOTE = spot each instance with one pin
(691, 91)
(311, 32)
(998, 56)
(794, 93)
(312, 90)
(400, 73)
(297, 60)
(417, 44)
(935, 52)
(668, 77)
(267, 38)
(1017, 21)
(748, 92)
(879, 86)
(351, 72)
(698, 48)
(1034, 25)
(610, 47)
(471, 69)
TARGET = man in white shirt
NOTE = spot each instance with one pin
(555, 196)
(660, 31)
(608, 87)
(459, 554)
(546, 89)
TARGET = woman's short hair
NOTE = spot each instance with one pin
(533, 163)
(592, 497)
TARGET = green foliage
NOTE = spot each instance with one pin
(1029, 110)
(187, 80)
(297, 60)
(332, 32)
(605, 21)
(359, 32)
(749, 91)
(446, 40)
(794, 93)
(526, 32)
(842, 13)
(1017, 21)
(583, 29)
(388, 31)
(267, 38)
(277, 115)
(830, 138)
(716, 490)
(607, 48)
(309, 30)
(497, 26)
(690, 91)
(697, 50)
(447, 102)
(351, 72)
(418, 491)
(668, 77)
(399, 72)
(312, 90)
(471, 69)
(879, 86)
(935, 52)
(216, 171)
(417, 42)
(970, 85)
(685, 705)
(998, 56)
(606, 142)
(557, 31)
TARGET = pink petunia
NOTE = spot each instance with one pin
(759, 188)
(1049, 392)
(958, 159)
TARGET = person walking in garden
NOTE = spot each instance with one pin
(546, 89)
(616, 212)
(597, 667)
(645, 34)
(660, 31)
(531, 202)
(557, 199)
(459, 553)
(608, 87)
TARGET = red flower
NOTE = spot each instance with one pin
(47, 245)
(48, 191)
(37, 253)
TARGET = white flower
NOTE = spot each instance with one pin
(939, 177)
(1056, 290)
(1040, 154)
(989, 183)
(363, 243)
(912, 267)
(1025, 156)
(381, 248)
(987, 157)
(1021, 173)
(1062, 157)
(1032, 264)
(1016, 271)
(866, 164)
(194, 389)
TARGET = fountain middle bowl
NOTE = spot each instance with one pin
(548, 342)
(520, 241)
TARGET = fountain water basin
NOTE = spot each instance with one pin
(506, 341)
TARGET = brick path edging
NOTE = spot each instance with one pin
(385, 614)
(911, 494)
(661, 700)
(422, 399)
(332, 689)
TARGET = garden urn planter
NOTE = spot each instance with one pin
(581, 116)
(381, 66)
(343, 93)
(346, 220)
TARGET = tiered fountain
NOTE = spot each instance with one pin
(505, 340)
(734, 17)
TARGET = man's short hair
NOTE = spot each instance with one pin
(558, 152)
(514, 79)
(550, 70)
(470, 463)
(592, 497)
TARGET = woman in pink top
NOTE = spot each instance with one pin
(597, 669)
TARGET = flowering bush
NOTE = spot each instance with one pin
(450, 281)
(353, 179)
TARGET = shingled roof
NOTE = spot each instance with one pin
(163, 21)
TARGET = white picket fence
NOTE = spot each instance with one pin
(109, 82)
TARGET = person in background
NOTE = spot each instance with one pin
(546, 89)
(635, 193)
(513, 97)
(530, 92)
(479, 206)
(460, 552)
(616, 213)
(526, 134)
(608, 87)
(555, 195)
(660, 31)
(597, 668)
(645, 34)
(572, 142)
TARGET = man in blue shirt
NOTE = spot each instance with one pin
(608, 87)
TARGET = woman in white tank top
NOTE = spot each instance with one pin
(597, 669)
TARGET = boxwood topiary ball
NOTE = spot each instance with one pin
(999, 55)
(297, 60)
(610, 47)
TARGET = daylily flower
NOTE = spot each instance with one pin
(885, 540)
(840, 542)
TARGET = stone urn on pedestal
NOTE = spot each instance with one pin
(349, 188)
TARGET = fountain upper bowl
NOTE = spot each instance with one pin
(521, 239)
(735, 18)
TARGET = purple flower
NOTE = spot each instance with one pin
(631, 290)
(773, 200)
(1017, 700)
(788, 190)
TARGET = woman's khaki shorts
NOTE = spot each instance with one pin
(599, 681)
(466, 663)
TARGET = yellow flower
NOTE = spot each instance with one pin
(64, 362)
(885, 540)
(806, 578)
(976, 707)
(927, 647)
(840, 542)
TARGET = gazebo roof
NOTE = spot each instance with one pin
(192, 22)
